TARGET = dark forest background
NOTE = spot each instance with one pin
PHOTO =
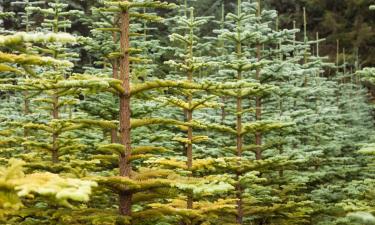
(349, 21)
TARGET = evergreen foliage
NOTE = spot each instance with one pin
(190, 119)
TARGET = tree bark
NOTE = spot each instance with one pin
(26, 112)
(55, 136)
(223, 112)
(239, 141)
(258, 135)
(240, 212)
(189, 149)
(114, 138)
(189, 152)
(258, 104)
(125, 127)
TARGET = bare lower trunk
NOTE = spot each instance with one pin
(125, 203)
(240, 212)
(114, 136)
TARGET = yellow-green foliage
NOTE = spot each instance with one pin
(62, 189)
(125, 5)
(25, 59)
(21, 38)
(203, 211)
(14, 185)
(6, 68)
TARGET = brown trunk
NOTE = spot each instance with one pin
(189, 148)
(55, 111)
(126, 204)
(55, 153)
(115, 61)
(239, 107)
(184, 146)
(258, 141)
(239, 142)
(125, 127)
(240, 212)
(55, 136)
(189, 114)
(26, 112)
(281, 147)
(239, 154)
(190, 201)
(239, 127)
(258, 104)
(189, 152)
(223, 112)
(258, 135)
(26, 102)
(281, 151)
(114, 138)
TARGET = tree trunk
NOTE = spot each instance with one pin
(258, 135)
(239, 142)
(26, 112)
(125, 127)
(240, 212)
(223, 112)
(189, 152)
(189, 148)
(239, 127)
(55, 136)
(258, 104)
(114, 138)
(55, 153)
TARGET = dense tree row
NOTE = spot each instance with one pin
(230, 120)
(349, 21)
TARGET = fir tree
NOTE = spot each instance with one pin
(234, 120)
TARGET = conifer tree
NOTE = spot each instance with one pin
(244, 123)
(331, 115)
(125, 197)
(26, 16)
(29, 63)
(125, 162)
(201, 184)
(240, 62)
